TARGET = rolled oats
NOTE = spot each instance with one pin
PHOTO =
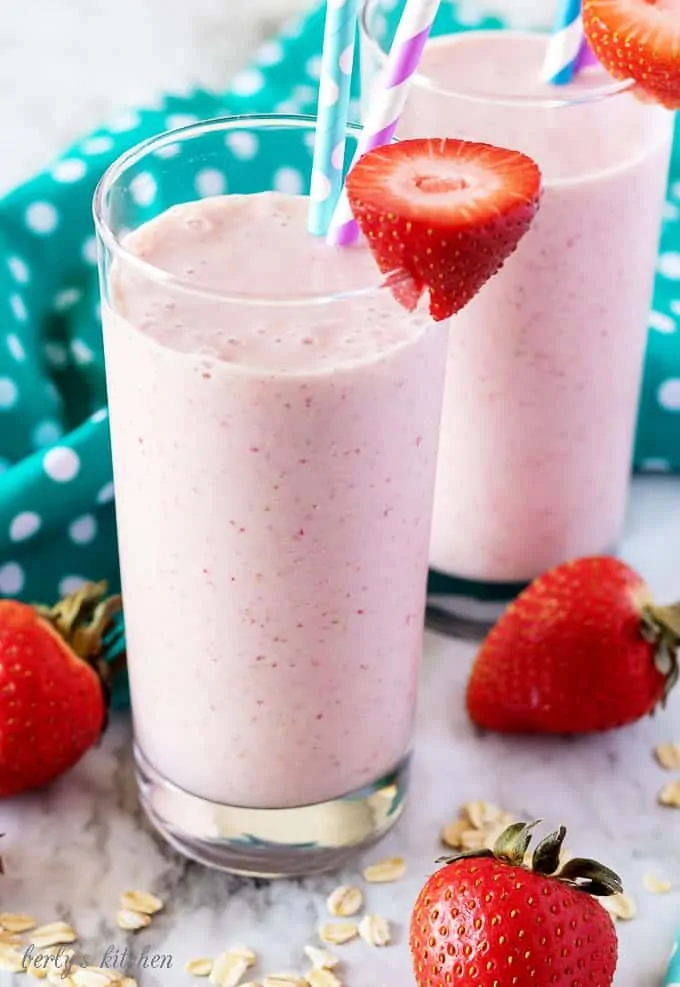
(452, 833)
(375, 930)
(385, 871)
(244, 953)
(10, 939)
(132, 921)
(14, 922)
(200, 967)
(337, 933)
(620, 906)
(95, 976)
(668, 756)
(670, 794)
(228, 969)
(322, 978)
(128, 982)
(285, 980)
(321, 959)
(141, 901)
(345, 901)
(11, 959)
(656, 885)
(53, 934)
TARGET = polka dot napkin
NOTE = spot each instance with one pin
(56, 492)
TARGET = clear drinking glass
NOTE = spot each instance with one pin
(273, 512)
(544, 366)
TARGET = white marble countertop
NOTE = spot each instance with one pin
(71, 850)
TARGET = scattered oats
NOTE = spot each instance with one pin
(285, 980)
(250, 983)
(12, 922)
(668, 755)
(95, 976)
(656, 885)
(132, 921)
(228, 969)
(452, 833)
(385, 871)
(128, 982)
(243, 953)
(321, 959)
(619, 906)
(53, 934)
(322, 978)
(10, 939)
(11, 959)
(345, 901)
(670, 794)
(337, 933)
(199, 967)
(375, 930)
(480, 814)
(141, 901)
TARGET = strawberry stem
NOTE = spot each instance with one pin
(661, 627)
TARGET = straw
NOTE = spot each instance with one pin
(388, 100)
(565, 45)
(334, 92)
(672, 975)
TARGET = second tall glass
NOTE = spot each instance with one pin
(544, 366)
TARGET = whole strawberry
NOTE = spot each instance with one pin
(583, 648)
(487, 919)
(52, 698)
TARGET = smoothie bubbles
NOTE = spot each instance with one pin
(544, 365)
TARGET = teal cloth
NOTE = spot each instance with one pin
(56, 492)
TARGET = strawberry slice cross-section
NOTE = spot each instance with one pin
(443, 214)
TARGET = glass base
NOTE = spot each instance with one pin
(271, 843)
(466, 609)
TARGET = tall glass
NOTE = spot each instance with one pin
(274, 419)
(544, 366)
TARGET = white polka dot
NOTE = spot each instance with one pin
(24, 525)
(469, 14)
(46, 433)
(143, 189)
(19, 269)
(675, 307)
(288, 180)
(347, 60)
(127, 120)
(669, 266)
(354, 110)
(9, 392)
(305, 94)
(56, 354)
(83, 530)
(210, 181)
(270, 54)
(287, 106)
(65, 299)
(99, 416)
(106, 494)
(338, 156)
(4, 464)
(671, 212)
(242, 144)
(168, 151)
(177, 120)
(656, 465)
(89, 250)
(18, 307)
(321, 186)
(52, 391)
(16, 347)
(248, 83)
(675, 190)
(330, 93)
(11, 579)
(661, 322)
(97, 145)
(69, 170)
(71, 584)
(61, 464)
(81, 352)
(42, 218)
(669, 394)
(313, 67)
(310, 140)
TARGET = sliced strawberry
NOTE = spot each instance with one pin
(640, 40)
(444, 213)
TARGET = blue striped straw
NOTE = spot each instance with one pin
(672, 975)
(331, 128)
(564, 47)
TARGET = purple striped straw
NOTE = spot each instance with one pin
(388, 101)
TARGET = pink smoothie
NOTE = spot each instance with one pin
(274, 468)
(544, 366)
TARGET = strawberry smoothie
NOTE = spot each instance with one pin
(274, 456)
(544, 365)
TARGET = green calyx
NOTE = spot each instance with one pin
(512, 848)
(661, 627)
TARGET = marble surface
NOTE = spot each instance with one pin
(71, 850)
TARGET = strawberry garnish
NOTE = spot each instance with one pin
(53, 696)
(639, 40)
(583, 648)
(489, 918)
(445, 214)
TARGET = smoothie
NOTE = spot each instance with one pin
(544, 366)
(274, 508)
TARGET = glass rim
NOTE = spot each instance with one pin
(114, 243)
(592, 95)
